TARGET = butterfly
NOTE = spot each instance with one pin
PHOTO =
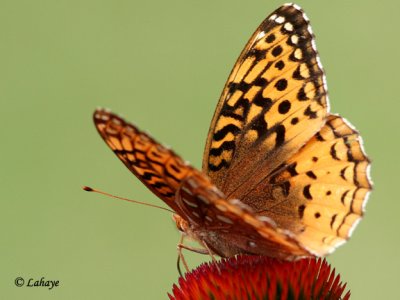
(281, 176)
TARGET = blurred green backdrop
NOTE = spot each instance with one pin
(163, 64)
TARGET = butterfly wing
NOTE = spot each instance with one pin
(273, 102)
(320, 193)
(272, 122)
(159, 168)
(229, 227)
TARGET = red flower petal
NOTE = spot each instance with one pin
(260, 277)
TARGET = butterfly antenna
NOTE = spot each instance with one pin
(89, 189)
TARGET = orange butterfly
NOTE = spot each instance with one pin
(281, 175)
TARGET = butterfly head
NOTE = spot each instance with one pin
(181, 223)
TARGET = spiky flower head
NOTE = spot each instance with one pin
(260, 277)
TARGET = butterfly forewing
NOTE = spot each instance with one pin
(159, 168)
(273, 102)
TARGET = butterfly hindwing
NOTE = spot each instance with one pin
(230, 227)
(273, 102)
(319, 194)
(159, 168)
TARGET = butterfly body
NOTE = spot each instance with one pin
(281, 175)
(234, 228)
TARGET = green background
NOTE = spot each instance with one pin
(162, 64)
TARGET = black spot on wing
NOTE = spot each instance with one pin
(281, 84)
(310, 113)
(311, 174)
(333, 152)
(297, 74)
(306, 192)
(280, 135)
(343, 198)
(284, 107)
(270, 38)
(292, 169)
(277, 51)
(342, 173)
(279, 65)
(301, 95)
(319, 137)
(333, 220)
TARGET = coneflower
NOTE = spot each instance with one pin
(260, 277)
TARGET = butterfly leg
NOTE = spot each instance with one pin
(181, 257)
(214, 260)
(178, 264)
(197, 250)
(206, 251)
